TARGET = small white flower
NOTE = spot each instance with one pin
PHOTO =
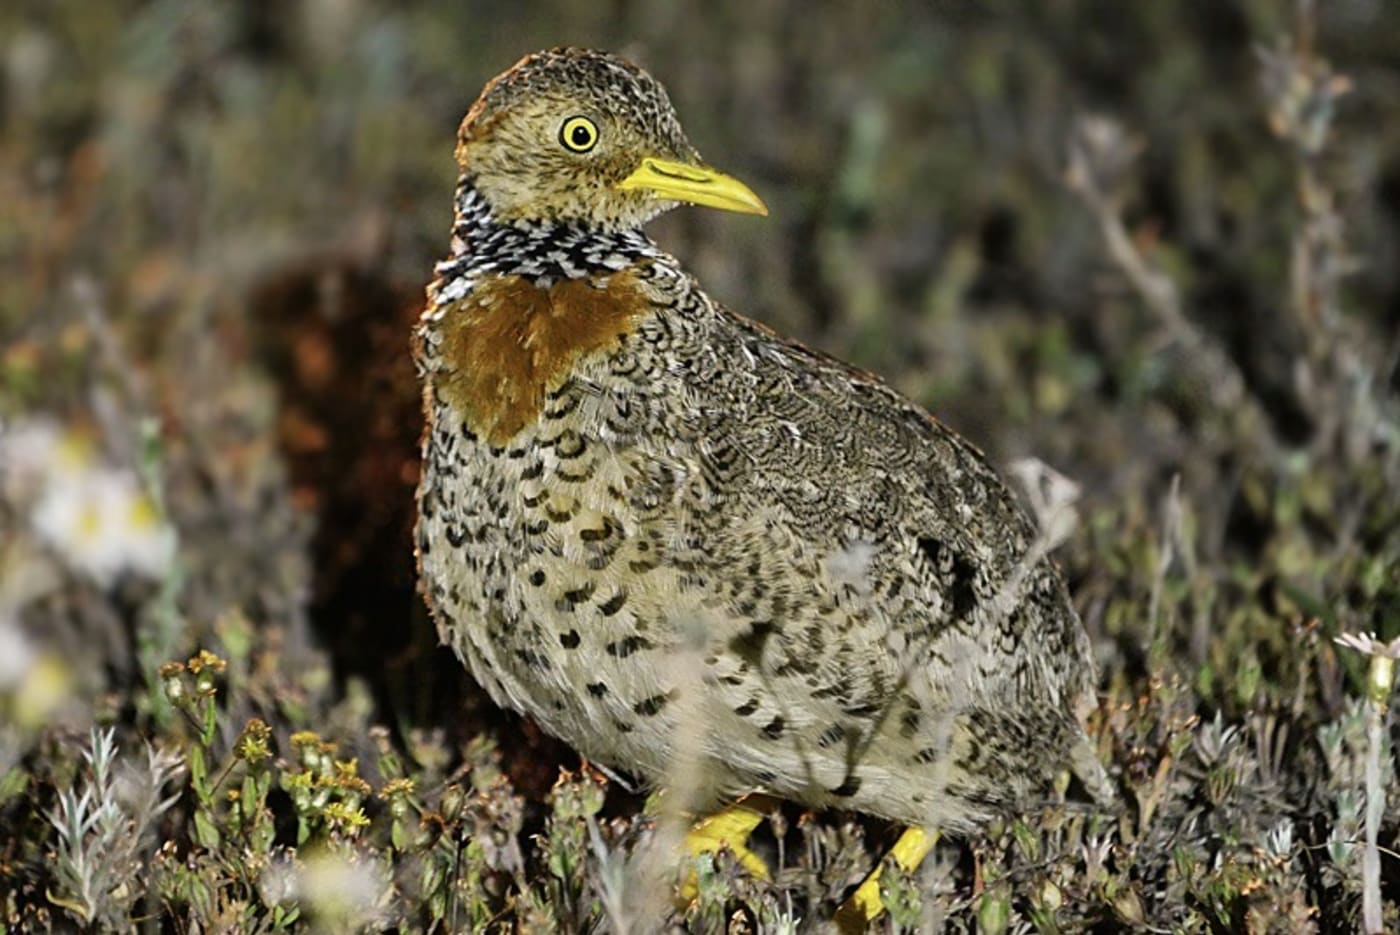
(348, 891)
(16, 652)
(102, 524)
(94, 517)
(1380, 674)
(1368, 644)
(344, 891)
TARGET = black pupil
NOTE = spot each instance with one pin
(580, 135)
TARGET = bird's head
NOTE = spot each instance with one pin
(575, 135)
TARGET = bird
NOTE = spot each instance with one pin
(682, 542)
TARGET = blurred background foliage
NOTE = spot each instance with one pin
(1151, 244)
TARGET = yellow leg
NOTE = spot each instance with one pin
(729, 829)
(865, 906)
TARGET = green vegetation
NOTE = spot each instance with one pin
(1152, 245)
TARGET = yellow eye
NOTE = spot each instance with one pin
(579, 134)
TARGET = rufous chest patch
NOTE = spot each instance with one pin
(510, 342)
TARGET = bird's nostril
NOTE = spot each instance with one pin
(675, 170)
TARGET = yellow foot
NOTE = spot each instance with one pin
(730, 829)
(865, 905)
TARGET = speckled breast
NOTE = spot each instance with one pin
(637, 521)
(534, 536)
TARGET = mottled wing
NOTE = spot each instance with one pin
(862, 559)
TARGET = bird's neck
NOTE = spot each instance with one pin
(542, 251)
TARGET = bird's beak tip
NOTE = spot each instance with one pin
(694, 184)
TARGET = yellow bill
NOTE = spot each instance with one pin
(697, 185)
